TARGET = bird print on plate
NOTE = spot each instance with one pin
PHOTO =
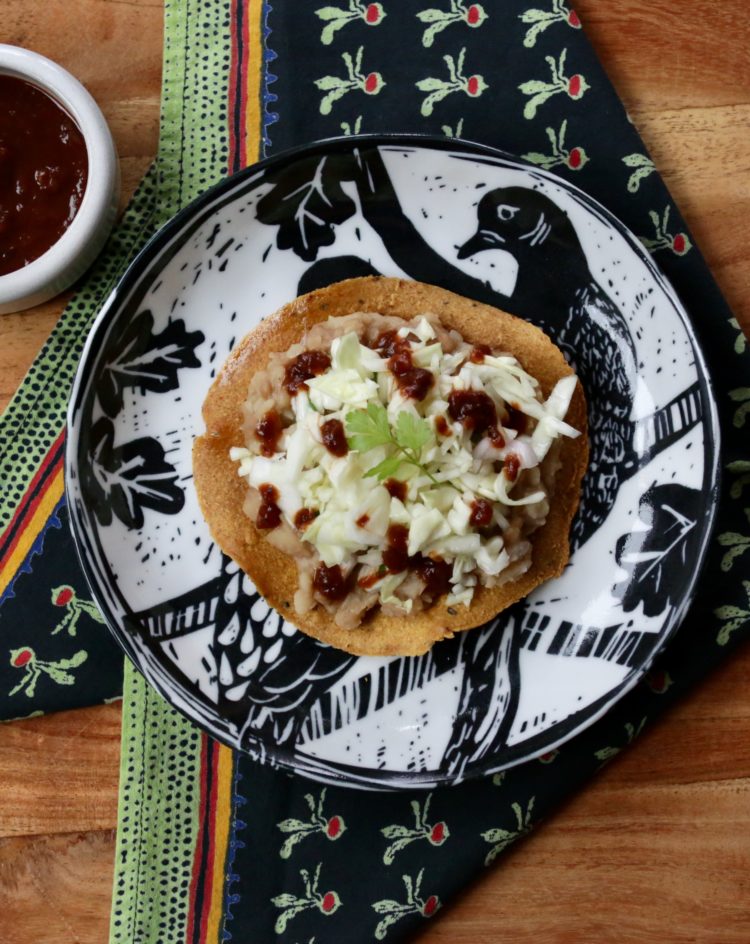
(555, 285)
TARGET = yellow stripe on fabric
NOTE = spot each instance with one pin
(222, 820)
(253, 112)
(31, 532)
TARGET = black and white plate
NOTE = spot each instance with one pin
(487, 226)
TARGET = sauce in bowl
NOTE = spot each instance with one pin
(43, 172)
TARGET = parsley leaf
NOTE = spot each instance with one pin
(412, 432)
(386, 468)
(369, 429)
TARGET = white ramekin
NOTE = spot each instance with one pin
(78, 246)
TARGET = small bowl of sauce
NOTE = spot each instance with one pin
(59, 179)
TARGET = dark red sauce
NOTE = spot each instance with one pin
(472, 408)
(368, 582)
(395, 488)
(269, 513)
(329, 582)
(479, 353)
(303, 518)
(512, 467)
(441, 425)
(435, 573)
(361, 522)
(481, 513)
(268, 430)
(496, 437)
(395, 556)
(389, 343)
(304, 366)
(414, 382)
(332, 433)
(516, 419)
(43, 172)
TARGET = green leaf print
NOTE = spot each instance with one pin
(502, 838)
(740, 468)
(741, 341)
(741, 395)
(733, 616)
(642, 167)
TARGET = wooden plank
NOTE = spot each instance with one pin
(56, 889)
(58, 774)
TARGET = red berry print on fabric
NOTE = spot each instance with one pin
(457, 81)
(34, 668)
(471, 14)
(574, 86)
(373, 83)
(327, 902)
(336, 87)
(539, 20)
(549, 757)
(65, 596)
(402, 836)
(393, 911)
(502, 838)
(577, 158)
(62, 596)
(574, 159)
(659, 681)
(374, 14)
(430, 906)
(438, 834)
(332, 827)
(335, 18)
(678, 243)
(21, 657)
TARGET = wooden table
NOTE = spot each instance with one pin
(657, 849)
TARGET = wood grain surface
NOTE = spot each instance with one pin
(657, 848)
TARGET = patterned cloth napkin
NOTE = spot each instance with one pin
(212, 846)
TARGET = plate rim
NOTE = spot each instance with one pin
(333, 772)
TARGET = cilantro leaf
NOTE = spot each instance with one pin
(412, 432)
(368, 429)
(386, 468)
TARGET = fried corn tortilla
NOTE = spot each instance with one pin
(221, 491)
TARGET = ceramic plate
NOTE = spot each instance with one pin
(487, 226)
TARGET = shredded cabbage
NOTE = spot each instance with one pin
(452, 469)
